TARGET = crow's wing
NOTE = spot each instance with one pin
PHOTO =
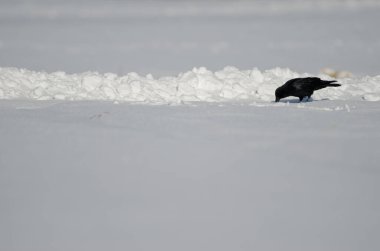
(305, 84)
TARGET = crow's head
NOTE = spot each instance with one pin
(279, 94)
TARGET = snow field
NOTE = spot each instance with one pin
(149, 9)
(199, 84)
(213, 177)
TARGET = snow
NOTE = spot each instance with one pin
(200, 84)
(114, 137)
(97, 176)
(168, 37)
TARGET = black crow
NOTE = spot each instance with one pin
(302, 87)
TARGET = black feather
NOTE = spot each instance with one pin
(302, 87)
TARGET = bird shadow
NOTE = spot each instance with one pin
(297, 101)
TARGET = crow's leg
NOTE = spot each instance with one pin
(300, 99)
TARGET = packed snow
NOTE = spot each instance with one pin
(200, 84)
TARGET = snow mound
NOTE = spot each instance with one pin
(199, 84)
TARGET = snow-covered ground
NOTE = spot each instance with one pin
(100, 176)
(168, 37)
(122, 127)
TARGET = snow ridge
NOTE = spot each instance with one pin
(199, 84)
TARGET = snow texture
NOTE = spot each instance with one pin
(200, 84)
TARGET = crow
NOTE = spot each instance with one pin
(302, 87)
